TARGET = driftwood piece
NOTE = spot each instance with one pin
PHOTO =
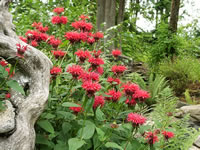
(34, 73)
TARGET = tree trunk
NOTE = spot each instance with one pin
(110, 14)
(137, 9)
(120, 16)
(100, 14)
(174, 15)
(34, 71)
(173, 23)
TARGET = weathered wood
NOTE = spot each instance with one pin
(34, 71)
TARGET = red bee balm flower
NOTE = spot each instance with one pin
(34, 43)
(130, 88)
(136, 119)
(117, 70)
(116, 53)
(32, 35)
(55, 71)
(90, 76)
(21, 50)
(83, 55)
(82, 25)
(98, 36)
(151, 138)
(43, 37)
(7, 96)
(76, 110)
(90, 41)
(95, 62)
(3, 63)
(115, 95)
(115, 80)
(56, 20)
(83, 36)
(59, 20)
(63, 19)
(99, 70)
(36, 24)
(54, 42)
(141, 95)
(168, 134)
(58, 54)
(96, 53)
(131, 102)
(73, 37)
(84, 17)
(58, 10)
(75, 71)
(98, 101)
(23, 39)
(43, 29)
(91, 87)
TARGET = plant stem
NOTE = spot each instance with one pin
(64, 55)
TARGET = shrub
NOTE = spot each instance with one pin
(181, 73)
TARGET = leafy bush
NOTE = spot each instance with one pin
(166, 45)
(181, 73)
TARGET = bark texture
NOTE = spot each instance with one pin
(120, 16)
(100, 14)
(175, 5)
(34, 72)
(110, 15)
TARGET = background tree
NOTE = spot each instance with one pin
(107, 12)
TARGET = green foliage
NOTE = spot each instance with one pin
(163, 118)
(188, 97)
(181, 73)
(165, 45)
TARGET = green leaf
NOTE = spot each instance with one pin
(49, 116)
(113, 145)
(66, 127)
(101, 134)
(46, 125)
(89, 105)
(3, 72)
(100, 115)
(75, 143)
(122, 99)
(88, 130)
(67, 115)
(42, 140)
(60, 146)
(15, 86)
(69, 104)
(65, 43)
(105, 95)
